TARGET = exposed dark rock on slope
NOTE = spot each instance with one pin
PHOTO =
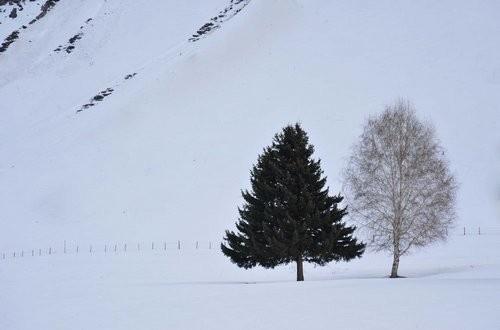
(70, 45)
(44, 9)
(9, 40)
(234, 7)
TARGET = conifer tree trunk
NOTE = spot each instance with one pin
(300, 269)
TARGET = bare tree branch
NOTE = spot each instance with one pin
(398, 184)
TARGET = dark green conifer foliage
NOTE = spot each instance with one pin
(288, 216)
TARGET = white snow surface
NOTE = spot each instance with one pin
(452, 286)
(165, 155)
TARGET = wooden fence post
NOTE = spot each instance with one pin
(178, 245)
(464, 231)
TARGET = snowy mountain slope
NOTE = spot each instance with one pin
(167, 152)
(88, 73)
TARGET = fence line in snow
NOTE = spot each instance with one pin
(111, 248)
(126, 247)
(478, 230)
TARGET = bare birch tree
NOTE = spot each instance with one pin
(398, 184)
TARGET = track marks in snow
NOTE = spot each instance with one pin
(234, 7)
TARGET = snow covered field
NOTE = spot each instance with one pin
(450, 286)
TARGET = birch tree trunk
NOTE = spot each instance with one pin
(395, 265)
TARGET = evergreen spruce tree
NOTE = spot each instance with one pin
(288, 216)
